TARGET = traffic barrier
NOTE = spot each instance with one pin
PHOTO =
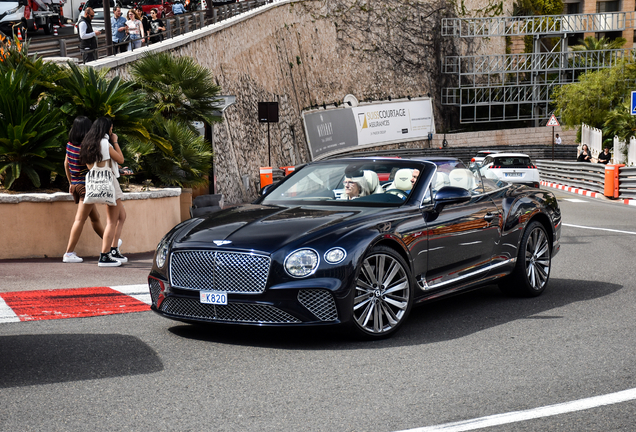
(55, 30)
(288, 169)
(585, 175)
(611, 180)
(266, 176)
(19, 34)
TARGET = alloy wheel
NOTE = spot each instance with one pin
(382, 294)
(537, 258)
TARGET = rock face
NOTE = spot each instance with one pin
(309, 53)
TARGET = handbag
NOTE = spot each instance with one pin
(99, 186)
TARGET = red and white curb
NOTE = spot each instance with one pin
(73, 303)
(583, 192)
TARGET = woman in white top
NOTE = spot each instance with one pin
(134, 29)
(100, 146)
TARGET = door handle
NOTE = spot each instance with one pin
(489, 217)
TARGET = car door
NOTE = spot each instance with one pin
(461, 237)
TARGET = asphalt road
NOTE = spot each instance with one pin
(476, 355)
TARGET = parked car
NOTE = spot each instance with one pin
(511, 167)
(479, 157)
(298, 256)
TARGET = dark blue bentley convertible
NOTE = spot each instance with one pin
(357, 242)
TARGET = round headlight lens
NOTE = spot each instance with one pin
(302, 262)
(335, 255)
(162, 254)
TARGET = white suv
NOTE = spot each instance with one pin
(511, 167)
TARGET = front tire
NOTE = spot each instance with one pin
(383, 294)
(532, 270)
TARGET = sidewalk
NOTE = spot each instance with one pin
(52, 273)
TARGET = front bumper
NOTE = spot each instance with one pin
(311, 302)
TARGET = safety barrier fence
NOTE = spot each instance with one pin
(591, 176)
(627, 182)
(68, 46)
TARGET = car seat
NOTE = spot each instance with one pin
(441, 179)
(462, 178)
(373, 181)
(402, 179)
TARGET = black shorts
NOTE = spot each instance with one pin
(79, 192)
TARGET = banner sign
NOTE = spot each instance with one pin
(337, 130)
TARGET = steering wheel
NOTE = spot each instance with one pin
(398, 192)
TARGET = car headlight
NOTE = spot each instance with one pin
(302, 262)
(12, 11)
(162, 254)
(335, 255)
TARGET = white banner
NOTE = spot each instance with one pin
(398, 121)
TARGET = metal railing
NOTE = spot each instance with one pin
(583, 175)
(537, 25)
(68, 46)
(627, 182)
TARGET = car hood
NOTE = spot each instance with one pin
(263, 228)
(5, 6)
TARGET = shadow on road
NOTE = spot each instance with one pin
(47, 359)
(439, 321)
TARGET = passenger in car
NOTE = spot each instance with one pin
(355, 187)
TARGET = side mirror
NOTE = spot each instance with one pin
(267, 189)
(450, 195)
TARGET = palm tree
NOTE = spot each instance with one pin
(590, 43)
(31, 131)
(178, 87)
(190, 161)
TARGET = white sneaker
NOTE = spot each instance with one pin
(71, 258)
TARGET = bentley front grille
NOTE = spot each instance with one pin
(319, 303)
(155, 290)
(233, 272)
(232, 312)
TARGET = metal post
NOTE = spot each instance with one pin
(62, 48)
(215, 16)
(169, 28)
(187, 23)
(552, 142)
(269, 146)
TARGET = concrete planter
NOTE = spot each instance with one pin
(38, 225)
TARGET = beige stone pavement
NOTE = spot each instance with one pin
(52, 273)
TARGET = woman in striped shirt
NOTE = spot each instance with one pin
(76, 175)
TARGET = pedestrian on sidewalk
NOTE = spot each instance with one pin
(100, 146)
(557, 140)
(76, 175)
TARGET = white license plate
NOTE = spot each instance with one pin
(513, 174)
(213, 297)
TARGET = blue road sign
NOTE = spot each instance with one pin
(633, 105)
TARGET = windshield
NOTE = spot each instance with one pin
(352, 182)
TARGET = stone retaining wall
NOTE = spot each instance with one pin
(38, 225)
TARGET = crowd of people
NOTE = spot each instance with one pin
(136, 28)
(89, 144)
(128, 32)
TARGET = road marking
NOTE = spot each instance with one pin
(535, 413)
(140, 292)
(575, 200)
(6, 313)
(72, 303)
(600, 229)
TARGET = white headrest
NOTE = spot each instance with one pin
(441, 180)
(373, 181)
(462, 178)
(402, 179)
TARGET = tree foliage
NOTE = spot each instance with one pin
(30, 129)
(595, 94)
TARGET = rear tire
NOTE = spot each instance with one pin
(534, 260)
(48, 28)
(382, 295)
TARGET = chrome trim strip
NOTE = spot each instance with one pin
(490, 267)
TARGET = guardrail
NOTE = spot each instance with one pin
(584, 175)
(68, 46)
(627, 182)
